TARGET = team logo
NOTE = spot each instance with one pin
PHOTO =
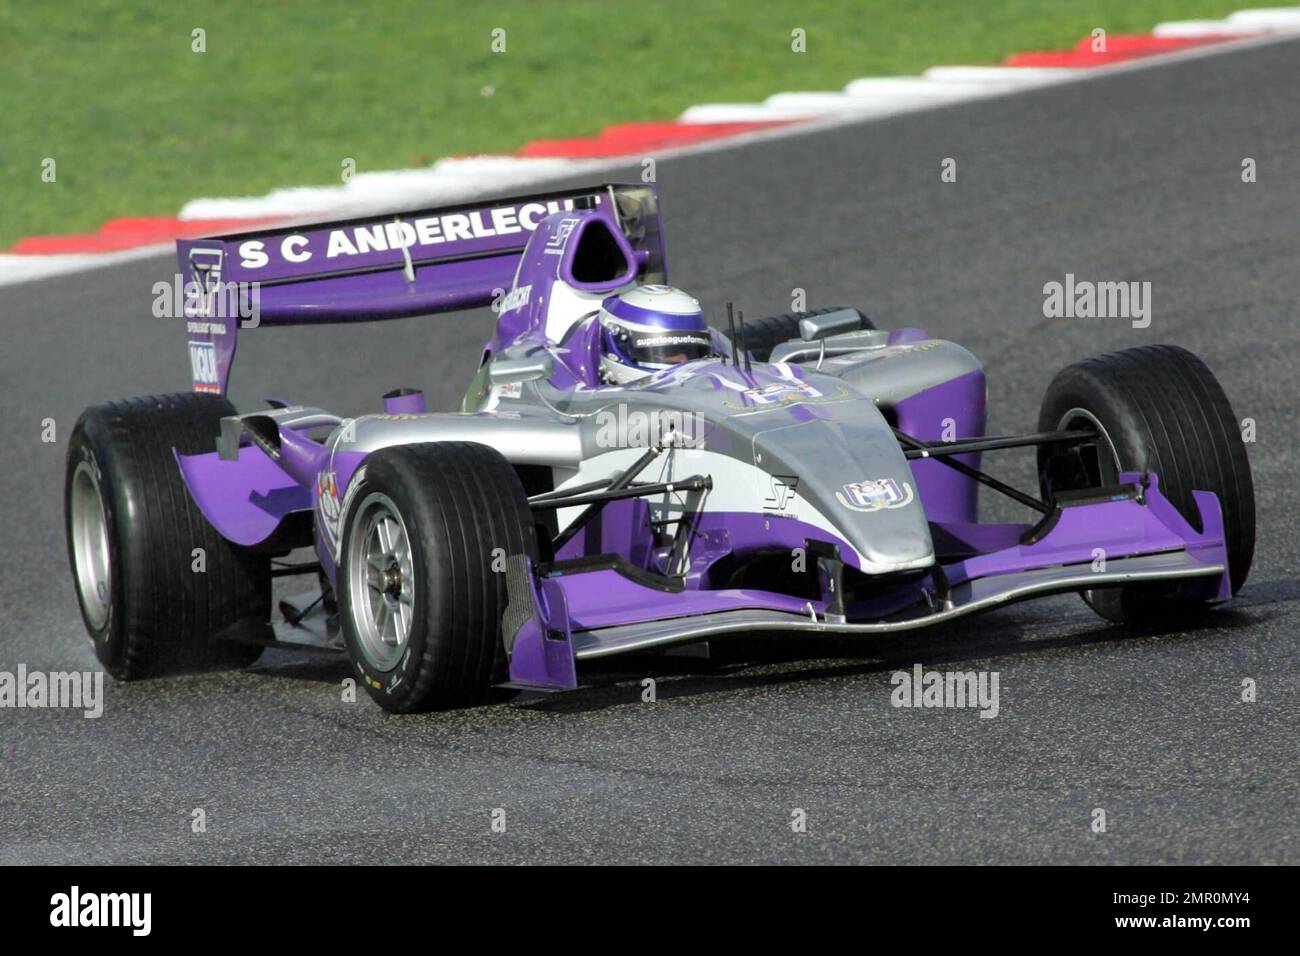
(875, 494)
(555, 244)
(780, 393)
(327, 494)
(783, 492)
(205, 287)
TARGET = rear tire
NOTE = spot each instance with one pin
(421, 583)
(1161, 410)
(132, 530)
(762, 336)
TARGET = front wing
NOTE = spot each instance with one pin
(559, 617)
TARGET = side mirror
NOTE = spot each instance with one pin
(814, 327)
(530, 369)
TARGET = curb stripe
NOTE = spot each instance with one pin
(118, 234)
(1118, 49)
(627, 138)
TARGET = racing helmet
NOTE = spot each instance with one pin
(648, 328)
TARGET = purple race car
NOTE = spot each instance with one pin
(621, 476)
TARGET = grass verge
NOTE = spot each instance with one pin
(137, 122)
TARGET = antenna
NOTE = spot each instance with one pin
(731, 332)
(744, 343)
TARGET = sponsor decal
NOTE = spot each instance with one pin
(555, 245)
(778, 394)
(203, 365)
(510, 390)
(205, 328)
(205, 266)
(875, 494)
(516, 298)
(327, 496)
(400, 235)
(334, 533)
(783, 492)
(204, 299)
(678, 338)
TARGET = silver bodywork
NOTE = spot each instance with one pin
(826, 427)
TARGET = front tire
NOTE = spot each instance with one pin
(132, 533)
(421, 584)
(1158, 409)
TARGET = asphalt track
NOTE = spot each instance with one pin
(1134, 176)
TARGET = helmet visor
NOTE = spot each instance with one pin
(661, 348)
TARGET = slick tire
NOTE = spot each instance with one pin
(421, 582)
(151, 601)
(766, 334)
(1159, 409)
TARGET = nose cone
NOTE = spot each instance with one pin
(848, 470)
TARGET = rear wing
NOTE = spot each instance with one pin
(383, 267)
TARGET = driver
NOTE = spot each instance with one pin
(648, 328)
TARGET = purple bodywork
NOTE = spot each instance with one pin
(602, 601)
(534, 257)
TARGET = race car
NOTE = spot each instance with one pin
(622, 475)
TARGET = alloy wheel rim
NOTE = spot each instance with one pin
(381, 582)
(92, 556)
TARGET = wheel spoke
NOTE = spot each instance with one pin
(382, 619)
(384, 529)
